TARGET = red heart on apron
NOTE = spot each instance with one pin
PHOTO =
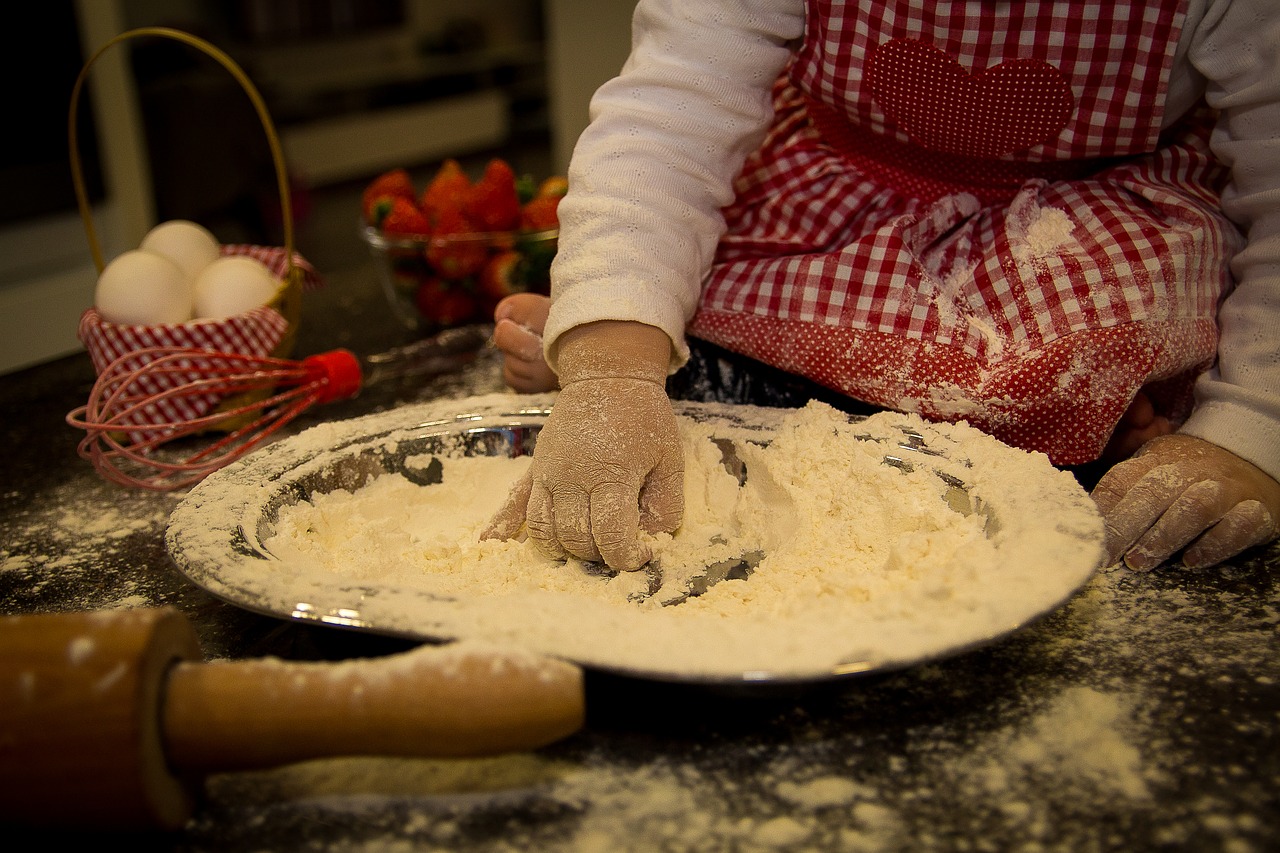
(1007, 108)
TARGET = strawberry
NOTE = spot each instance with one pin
(502, 276)
(377, 208)
(454, 252)
(556, 185)
(540, 214)
(445, 303)
(526, 188)
(449, 188)
(405, 220)
(493, 204)
(375, 202)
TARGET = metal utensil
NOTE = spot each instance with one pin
(147, 399)
(216, 540)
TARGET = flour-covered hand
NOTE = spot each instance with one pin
(1181, 492)
(608, 463)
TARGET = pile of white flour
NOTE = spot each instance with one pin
(861, 564)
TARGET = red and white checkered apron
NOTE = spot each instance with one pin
(968, 209)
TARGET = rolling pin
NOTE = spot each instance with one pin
(112, 719)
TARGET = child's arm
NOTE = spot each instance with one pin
(1237, 49)
(651, 173)
(638, 230)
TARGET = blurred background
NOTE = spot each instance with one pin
(354, 87)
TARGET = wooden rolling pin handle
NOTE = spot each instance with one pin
(435, 701)
(80, 742)
(109, 719)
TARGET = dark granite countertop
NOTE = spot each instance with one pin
(1144, 715)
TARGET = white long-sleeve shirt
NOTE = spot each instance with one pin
(668, 136)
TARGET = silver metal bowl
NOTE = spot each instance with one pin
(216, 539)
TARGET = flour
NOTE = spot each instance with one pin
(1077, 743)
(1037, 233)
(1080, 739)
(1049, 231)
(862, 565)
(1172, 661)
(1005, 763)
(823, 792)
(78, 529)
(394, 530)
(797, 507)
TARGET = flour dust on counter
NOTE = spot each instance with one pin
(69, 532)
(1109, 723)
(1078, 748)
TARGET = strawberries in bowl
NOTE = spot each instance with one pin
(448, 251)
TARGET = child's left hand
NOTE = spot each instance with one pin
(519, 320)
(1184, 492)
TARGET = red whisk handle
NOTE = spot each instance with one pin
(336, 374)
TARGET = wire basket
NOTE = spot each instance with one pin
(268, 330)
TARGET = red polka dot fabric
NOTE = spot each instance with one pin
(977, 216)
(1000, 110)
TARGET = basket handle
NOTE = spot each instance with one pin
(277, 156)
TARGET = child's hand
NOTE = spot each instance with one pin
(1183, 492)
(1140, 424)
(519, 320)
(608, 462)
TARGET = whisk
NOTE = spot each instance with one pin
(148, 399)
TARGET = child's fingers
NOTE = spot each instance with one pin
(1247, 524)
(1117, 482)
(525, 309)
(517, 341)
(1194, 510)
(510, 517)
(1184, 492)
(1139, 510)
(528, 378)
(523, 367)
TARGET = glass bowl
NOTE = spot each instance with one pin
(437, 282)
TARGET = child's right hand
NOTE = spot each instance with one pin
(518, 323)
(608, 463)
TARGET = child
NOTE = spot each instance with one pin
(1049, 218)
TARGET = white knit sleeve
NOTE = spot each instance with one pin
(652, 171)
(1237, 49)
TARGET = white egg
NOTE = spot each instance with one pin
(192, 247)
(233, 284)
(143, 288)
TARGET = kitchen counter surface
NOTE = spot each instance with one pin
(1144, 715)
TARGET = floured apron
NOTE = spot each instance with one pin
(969, 210)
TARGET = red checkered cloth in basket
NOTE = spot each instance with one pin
(256, 333)
(978, 216)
